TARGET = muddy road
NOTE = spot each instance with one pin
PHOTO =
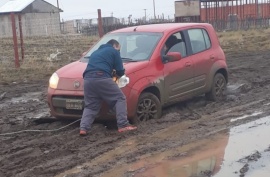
(195, 138)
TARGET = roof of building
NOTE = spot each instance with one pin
(20, 5)
(15, 5)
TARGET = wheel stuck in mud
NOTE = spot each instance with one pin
(148, 107)
(218, 89)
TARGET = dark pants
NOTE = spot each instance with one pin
(97, 90)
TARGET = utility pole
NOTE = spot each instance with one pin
(15, 41)
(129, 19)
(154, 4)
(145, 15)
(59, 15)
(100, 25)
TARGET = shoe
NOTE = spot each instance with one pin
(83, 133)
(127, 128)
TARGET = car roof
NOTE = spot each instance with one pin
(158, 27)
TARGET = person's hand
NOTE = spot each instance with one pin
(114, 73)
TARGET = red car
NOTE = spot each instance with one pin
(157, 75)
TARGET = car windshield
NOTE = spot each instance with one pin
(135, 46)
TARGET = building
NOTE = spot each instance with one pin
(75, 26)
(38, 18)
(87, 26)
(226, 10)
(108, 21)
(187, 11)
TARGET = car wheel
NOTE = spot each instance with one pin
(218, 88)
(148, 107)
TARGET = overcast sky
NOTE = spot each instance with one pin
(76, 9)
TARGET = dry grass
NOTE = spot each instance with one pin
(38, 50)
(245, 41)
(36, 65)
(29, 71)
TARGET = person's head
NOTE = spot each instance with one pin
(115, 44)
(171, 41)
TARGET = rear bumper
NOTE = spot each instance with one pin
(57, 102)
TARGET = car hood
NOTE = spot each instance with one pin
(72, 73)
(75, 70)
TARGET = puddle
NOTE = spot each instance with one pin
(42, 115)
(26, 97)
(247, 116)
(32, 96)
(244, 141)
(220, 156)
(267, 104)
(236, 88)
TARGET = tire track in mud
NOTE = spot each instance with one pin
(50, 154)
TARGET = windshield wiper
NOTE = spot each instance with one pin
(123, 58)
(128, 59)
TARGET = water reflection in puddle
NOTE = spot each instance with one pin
(246, 116)
(220, 158)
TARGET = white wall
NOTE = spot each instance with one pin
(33, 24)
(187, 8)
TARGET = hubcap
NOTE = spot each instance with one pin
(220, 86)
(147, 109)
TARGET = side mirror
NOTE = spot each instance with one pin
(174, 56)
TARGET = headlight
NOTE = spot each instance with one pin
(54, 81)
(122, 81)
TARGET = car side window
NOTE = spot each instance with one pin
(175, 43)
(199, 40)
(207, 39)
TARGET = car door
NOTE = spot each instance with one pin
(178, 74)
(201, 55)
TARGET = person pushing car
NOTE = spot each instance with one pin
(99, 86)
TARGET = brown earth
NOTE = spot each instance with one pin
(64, 153)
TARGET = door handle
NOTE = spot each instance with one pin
(188, 64)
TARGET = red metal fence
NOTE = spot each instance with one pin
(224, 10)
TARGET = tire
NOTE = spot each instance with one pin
(218, 88)
(148, 107)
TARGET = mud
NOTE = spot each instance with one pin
(222, 155)
(179, 134)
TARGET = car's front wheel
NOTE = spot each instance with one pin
(148, 107)
(218, 88)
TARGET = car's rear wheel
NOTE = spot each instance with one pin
(218, 88)
(148, 107)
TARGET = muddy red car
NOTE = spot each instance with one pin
(156, 75)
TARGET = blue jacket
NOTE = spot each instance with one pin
(104, 60)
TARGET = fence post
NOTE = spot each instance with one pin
(15, 42)
(100, 26)
(21, 36)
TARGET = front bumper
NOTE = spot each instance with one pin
(70, 104)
